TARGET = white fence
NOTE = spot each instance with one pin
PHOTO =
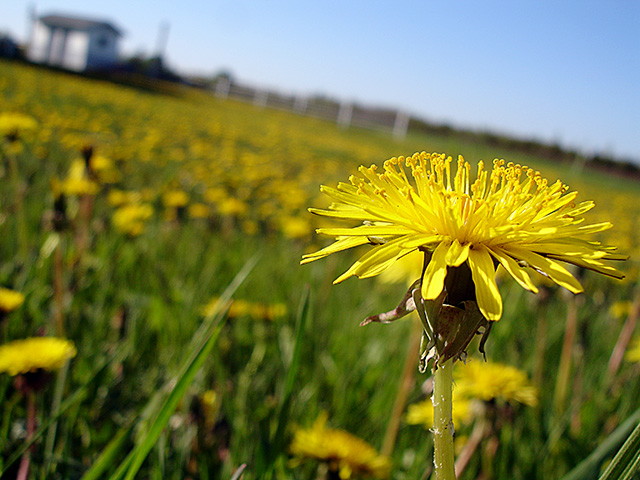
(345, 114)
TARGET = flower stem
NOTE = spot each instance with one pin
(443, 457)
(23, 471)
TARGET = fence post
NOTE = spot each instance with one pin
(344, 115)
(401, 125)
(260, 98)
(300, 105)
(222, 87)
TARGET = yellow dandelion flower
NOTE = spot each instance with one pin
(77, 182)
(343, 452)
(232, 206)
(175, 199)
(509, 216)
(633, 354)
(75, 187)
(13, 125)
(211, 402)
(275, 310)
(10, 300)
(105, 169)
(117, 198)
(295, 227)
(405, 270)
(620, 309)
(238, 308)
(199, 210)
(488, 381)
(36, 353)
(421, 413)
(131, 219)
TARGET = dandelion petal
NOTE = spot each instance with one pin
(434, 275)
(483, 273)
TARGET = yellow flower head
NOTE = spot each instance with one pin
(199, 210)
(342, 451)
(36, 353)
(210, 402)
(295, 227)
(508, 216)
(16, 124)
(488, 381)
(131, 219)
(10, 300)
(175, 199)
(422, 413)
(633, 354)
(620, 309)
(75, 187)
(105, 169)
(77, 182)
(240, 308)
(405, 270)
(117, 198)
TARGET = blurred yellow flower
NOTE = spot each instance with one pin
(295, 227)
(405, 270)
(241, 308)
(117, 198)
(16, 124)
(10, 300)
(211, 402)
(489, 381)
(131, 219)
(343, 452)
(77, 182)
(105, 169)
(633, 353)
(175, 199)
(422, 413)
(500, 218)
(36, 353)
(199, 210)
(620, 309)
(75, 187)
(232, 206)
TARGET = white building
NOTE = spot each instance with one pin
(74, 43)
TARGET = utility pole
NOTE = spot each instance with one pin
(163, 38)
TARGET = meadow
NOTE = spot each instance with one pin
(172, 263)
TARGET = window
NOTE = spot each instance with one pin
(103, 41)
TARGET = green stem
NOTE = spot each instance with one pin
(443, 457)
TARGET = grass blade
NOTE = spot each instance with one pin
(61, 381)
(141, 451)
(204, 339)
(625, 463)
(590, 466)
(278, 441)
(108, 455)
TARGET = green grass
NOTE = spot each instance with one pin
(144, 296)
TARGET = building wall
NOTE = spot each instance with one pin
(74, 50)
(102, 48)
(39, 45)
(75, 53)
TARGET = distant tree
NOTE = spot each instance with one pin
(9, 48)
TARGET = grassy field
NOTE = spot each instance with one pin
(186, 189)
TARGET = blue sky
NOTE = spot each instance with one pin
(556, 71)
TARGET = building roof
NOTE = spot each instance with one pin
(77, 23)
